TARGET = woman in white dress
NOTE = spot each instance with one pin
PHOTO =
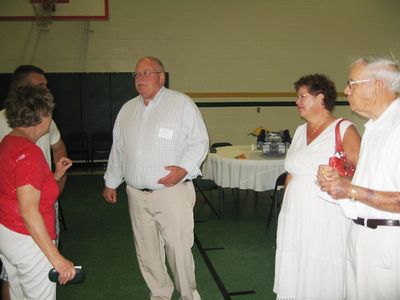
(312, 232)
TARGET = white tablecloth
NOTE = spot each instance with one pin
(257, 172)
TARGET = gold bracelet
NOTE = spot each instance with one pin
(353, 193)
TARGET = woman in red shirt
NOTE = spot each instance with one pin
(28, 190)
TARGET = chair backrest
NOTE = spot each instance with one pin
(220, 144)
(279, 190)
(214, 146)
(280, 181)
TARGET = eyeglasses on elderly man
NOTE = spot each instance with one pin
(350, 82)
(145, 73)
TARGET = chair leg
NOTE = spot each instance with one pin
(247, 193)
(221, 202)
(236, 198)
(89, 164)
(276, 210)
(271, 210)
(209, 204)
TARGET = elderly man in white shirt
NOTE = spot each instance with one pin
(373, 195)
(159, 143)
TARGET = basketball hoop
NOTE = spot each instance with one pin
(43, 10)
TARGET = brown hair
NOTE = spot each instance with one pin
(26, 105)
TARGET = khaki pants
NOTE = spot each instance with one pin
(162, 223)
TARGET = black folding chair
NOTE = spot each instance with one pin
(277, 197)
(207, 185)
(214, 146)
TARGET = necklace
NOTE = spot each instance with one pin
(311, 136)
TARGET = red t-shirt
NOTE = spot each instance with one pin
(22, 163)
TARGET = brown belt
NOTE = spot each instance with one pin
(373, 223)
(150, 190)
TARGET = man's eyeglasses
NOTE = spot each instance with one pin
(145, 73)
(350, 83)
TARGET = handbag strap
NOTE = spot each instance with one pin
(338, 138)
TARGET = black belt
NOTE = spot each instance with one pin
(373, 223)
(146, 190)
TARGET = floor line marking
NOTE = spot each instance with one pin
(212, 270)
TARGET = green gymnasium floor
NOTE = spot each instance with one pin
(234, 256)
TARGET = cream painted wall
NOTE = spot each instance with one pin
(217, 46)
(235, 123)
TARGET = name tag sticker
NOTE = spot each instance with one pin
(165, 133)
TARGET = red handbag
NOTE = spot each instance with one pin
(339, 160)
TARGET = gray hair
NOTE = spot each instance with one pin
(155, 60)
(382, 68)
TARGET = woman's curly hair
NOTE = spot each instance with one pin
(319, 84)
(25, 106)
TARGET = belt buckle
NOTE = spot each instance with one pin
(371, 226)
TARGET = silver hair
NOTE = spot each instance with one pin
(155, 60)
(382, 68)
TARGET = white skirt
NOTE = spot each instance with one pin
(311, 243)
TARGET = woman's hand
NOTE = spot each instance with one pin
(65, 269)
(62, 165)
(326, 173)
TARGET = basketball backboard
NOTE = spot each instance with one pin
(20, 10)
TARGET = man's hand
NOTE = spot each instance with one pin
(338, 188)
(110, 195)
(175, 176)
(59, 151)
(62, 165)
